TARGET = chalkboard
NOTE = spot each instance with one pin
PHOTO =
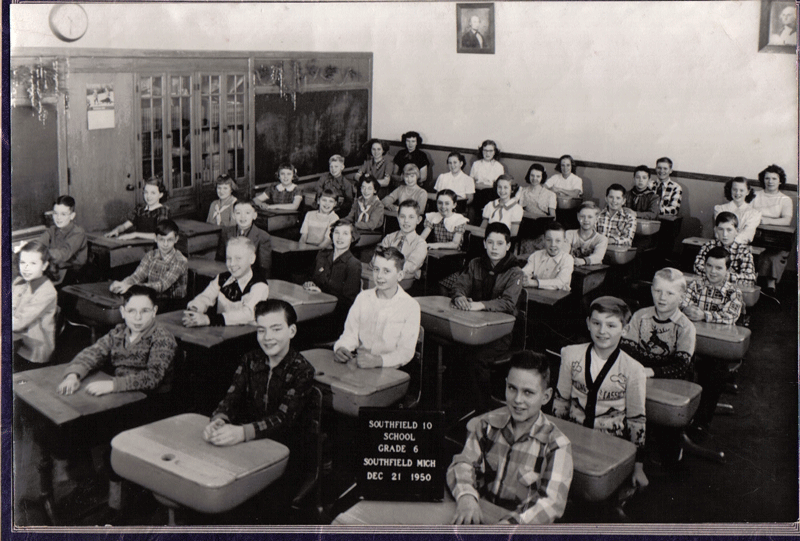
(323, 124)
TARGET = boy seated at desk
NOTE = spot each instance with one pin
(550, 268)
(489, 283)
(616, 222)
(245, 214)
(138, 351)
(382, 326)
(514, 456)
(163, 270)
(662, 339)
(742, 268)
(669, 192)
(334, 180)
(587, 246)
(602, 387)
(410, 244)
(316, 228)
(641, 199)
(66, 243)
(715, 299)
(233, 294)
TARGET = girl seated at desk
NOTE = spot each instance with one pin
(144, 218)
(505, 209)
(221, 211)
(536, 199)
(33, 309)
(282, 195)
(377, 165)
(739, 195)
(776, 209)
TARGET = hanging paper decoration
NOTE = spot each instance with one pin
(38, 82)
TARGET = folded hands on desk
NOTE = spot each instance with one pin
(193, 318)
(463, 303)
(222, 434)
(71, 383)
(359, 358)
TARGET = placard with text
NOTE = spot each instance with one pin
(400, 456)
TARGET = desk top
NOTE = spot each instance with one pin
(546, 296)
(700, 241)
(585, 270)
(296, 295)
(595, 453)
(97, 238)
(276, 212)
(350, 379)
(412, 513)
(284, 246)
(527, 215)
(96, 293)
(38, 387)
(439, 253)
(176, 445)
(719, 331)
(206, 267)
(677, 392)
(778, 228)
(206, 337)
(440, 307)
(193, 228)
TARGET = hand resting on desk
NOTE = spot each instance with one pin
(71, 383)
(463, 303)
(193, 318)
(359, 358)
(311, 286)
(223, 434)
(118, 287)
(694, 313)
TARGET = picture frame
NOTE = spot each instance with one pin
(475, 32)
(778, 27)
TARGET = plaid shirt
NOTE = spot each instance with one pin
(530, 476)
(145, 221)
(670, 193)
(168, 276)
(721, 304)
(742, 271)
(619, 227)
(266, 401)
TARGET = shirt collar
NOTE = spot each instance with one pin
(146, 332)
(169, 258)
(282, 188)
(243, 281)
(501, 420)
(243, 232)
(674, 317)
(35, 283)
(411, 237)
(67, 229)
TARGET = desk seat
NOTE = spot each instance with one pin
(96, 305)
(601, 462)
(412, 513)
(671, 402)
(440, 319)
(619, 255)
(171, 458)
(726, 342)
(347, 389)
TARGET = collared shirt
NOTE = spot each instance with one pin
(444, 229)
(141, 365)
(413, 247)
(666, 346)
(460, 183)
(551, 272)
(278, 194)
(238, 309)
(720, 304)
(645, 204)
(496, 286)
(385, 327)
(33, 313)
(670, 193)
(572, 182)
(538, 199)
(619, 227)
(145, 221)
(591, 250)
(509, 213)
(749, 220)
(367, 214)
(742, 270)
(166, 275)
(67, 246)
(267, 401)
(533, 473)
(405, 192)
(485, 173)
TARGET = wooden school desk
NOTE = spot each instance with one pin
(447, 325)
(692, 246)
(307, 304)
(204, 337)
(196, 237)
(587, 278)
(547, 297)
(171, 458)
(96, 305)
(109, 254)
(66, 420)
(671, 402)
(726, 342)
(367, 512)
(619, 255)
(347, 388)
(283, 260)
(779, 237)
(276, 220)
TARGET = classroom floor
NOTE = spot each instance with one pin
(758, 483)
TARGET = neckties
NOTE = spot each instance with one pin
(401, 243)
(232, 291)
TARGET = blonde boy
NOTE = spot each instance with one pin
(552, 267)
(587, 246)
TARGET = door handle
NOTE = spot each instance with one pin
(130, 187)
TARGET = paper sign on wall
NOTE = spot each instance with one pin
(100, 106)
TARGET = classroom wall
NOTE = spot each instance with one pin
(617, 82)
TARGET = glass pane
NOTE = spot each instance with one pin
(156, 81)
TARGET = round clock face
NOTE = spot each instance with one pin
(68, 22)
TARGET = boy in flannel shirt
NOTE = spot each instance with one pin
(617, 223)
(742, 268)
(66, 242)
(163, 269)
(715, 299)
(667, 189)
(662, 338)
(514, 456)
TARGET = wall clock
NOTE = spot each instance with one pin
(68, 22)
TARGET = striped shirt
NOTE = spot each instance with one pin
(742, 270)
(721, 304)
(530, 476)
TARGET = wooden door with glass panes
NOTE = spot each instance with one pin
(151, 90)
(182, 192)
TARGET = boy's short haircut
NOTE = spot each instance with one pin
(532, 360)
(729, 186)
(486, 144)
(165, 227)
(344, 222)
(616, 188)
(447, 192)
(611, 305)
(718, 252)
(67, 201)
(411, 168)
(409, 204)
(410, 134)
(565, 157)
(327, 192)
(287, 166)
(671, 275)
(270, 306)
(726, 218)
(536, 167)
(458, 155)
(641, 168)
(225, 178)
(665, 160)
(772, 169)
(244, 202)
(369, 179)
(158, 183)
(498, 227)
(554, 226)
(241, 241)
(336, 158)
(591, 205)
(138, 290)
(390, 253)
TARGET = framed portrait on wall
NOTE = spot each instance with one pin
(475, 28)
(778, 28)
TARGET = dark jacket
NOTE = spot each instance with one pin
(497, 287)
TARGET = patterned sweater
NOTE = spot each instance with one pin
(666, 346)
